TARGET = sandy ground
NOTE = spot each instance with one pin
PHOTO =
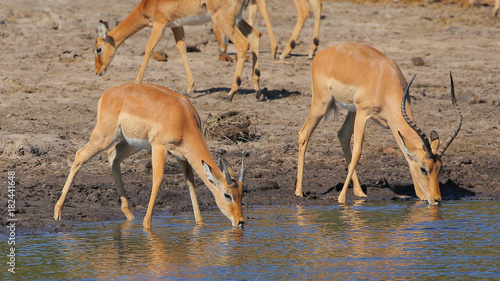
(49, 95)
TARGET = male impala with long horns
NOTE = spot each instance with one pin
(174, 14)
(370, 85)
(133, 117)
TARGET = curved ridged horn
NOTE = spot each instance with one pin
(420, 133)
(459, 113)
(242, 171)
(224, 164)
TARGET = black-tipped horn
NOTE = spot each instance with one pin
(420, 133)
(460, 118)
(227, 175)
(242, 171)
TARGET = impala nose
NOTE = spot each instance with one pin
(241, 223)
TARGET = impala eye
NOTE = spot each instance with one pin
(98, 51)
(227, 196)
(423, 170)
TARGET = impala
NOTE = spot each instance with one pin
(303, 12)
(160, 14)
(133, 117)
(370, 86)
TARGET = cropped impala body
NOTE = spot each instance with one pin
(174, 14)
(133, 117)
(369, 85)
(303, 12)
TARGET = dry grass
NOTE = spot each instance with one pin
(232, 125)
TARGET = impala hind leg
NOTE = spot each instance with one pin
(116, 155)
(159, 153)
(97, 143)
(187, 170)
(359, 132)
(253, 37)
(345, 134)
(181, 46)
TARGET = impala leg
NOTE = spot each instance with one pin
(221, 39)
(159, 153)
(316, 113)
(181, 46)
(345, 134)
(316, 7)
(154, 38)
(359, 132)
(496, 8)
(263, 10)
(97, 143)
(253, 37)
(187, 170)
(116, 155)
(303, 12)
(230, 30)
(252, 10)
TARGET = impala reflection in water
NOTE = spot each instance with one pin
(384, 240)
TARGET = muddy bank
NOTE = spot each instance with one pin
(50, 92)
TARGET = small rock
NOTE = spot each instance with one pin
(160, 56)
(418, 61)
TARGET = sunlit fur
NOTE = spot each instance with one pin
(174, 14)
(361, 78)
(131, 115)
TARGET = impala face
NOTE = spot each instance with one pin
(424, 158)
(425, 177)
(424, 170)
(228, 192)
(229, 202)
(104, 49)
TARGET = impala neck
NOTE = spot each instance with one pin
(398, 123)
(128, 27)
(195, 155)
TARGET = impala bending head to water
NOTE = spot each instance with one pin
(370, 85)
(133, 117)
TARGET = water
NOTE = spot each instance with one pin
(368, 241)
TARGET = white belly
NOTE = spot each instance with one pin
(190, 21)
(349, 107)
(139, 143)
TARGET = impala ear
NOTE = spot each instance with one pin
(102, 28)
(228, 172)
(434, 141)
(242, 171)
(208, 173)
(408, 147)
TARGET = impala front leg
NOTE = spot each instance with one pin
(263, 11)
(187, 170)
(158, 160)
(303, 12)
(359, 132)
(316, 7)
(156, 34)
